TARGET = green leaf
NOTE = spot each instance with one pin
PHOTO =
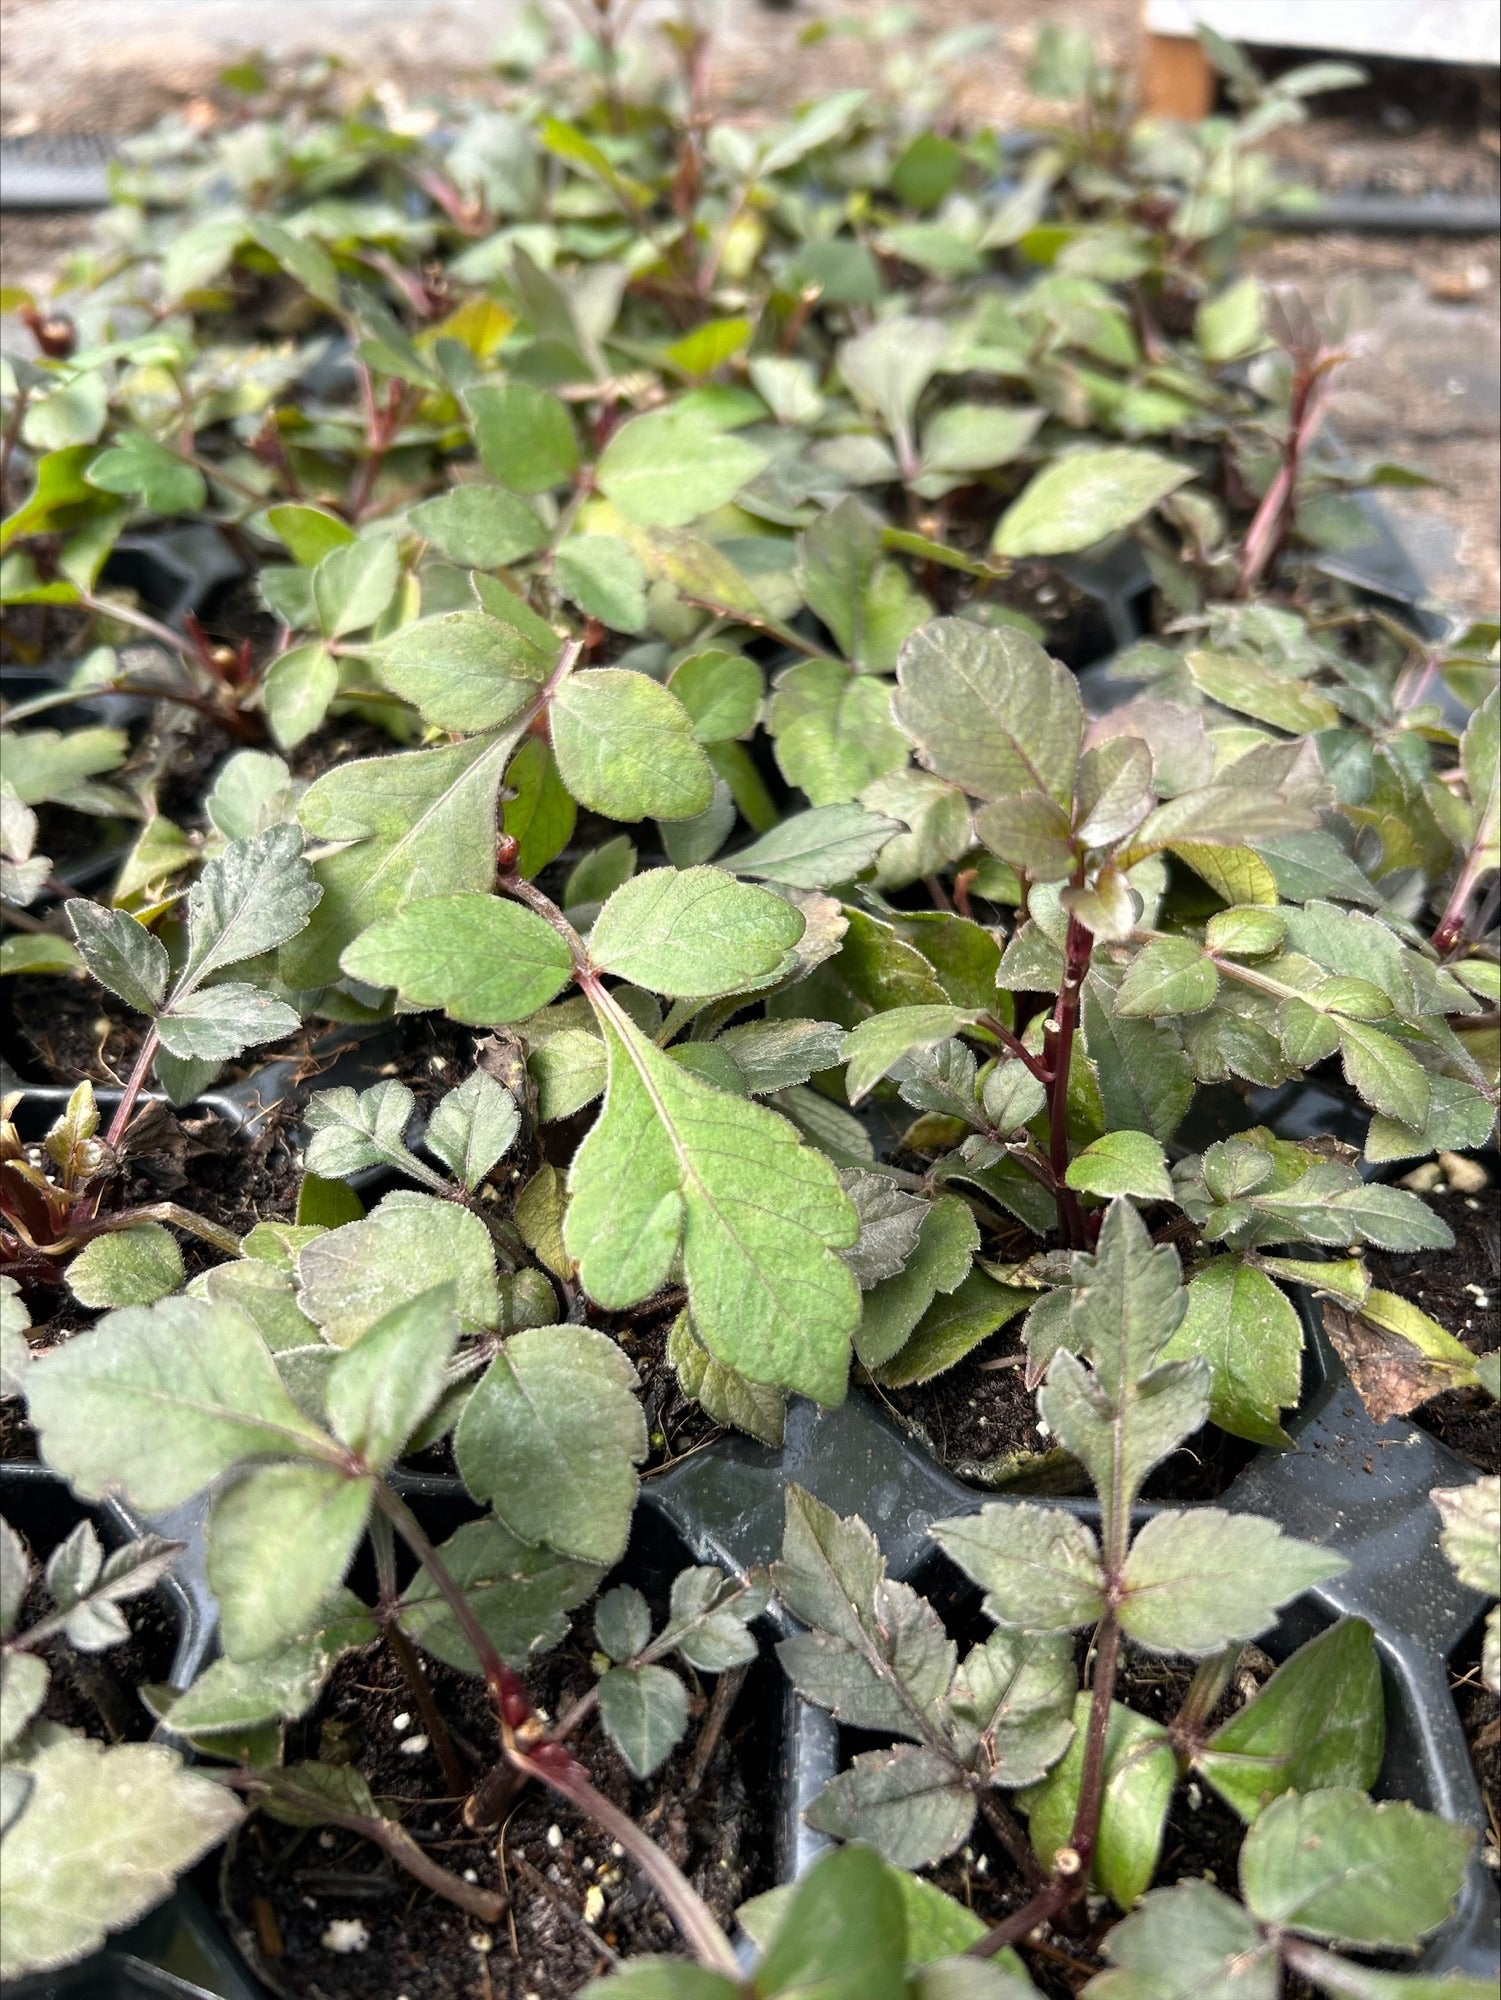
(833, 731)
(15, 1563)
(354, 583)
(671, 466)
(725, 1397)
(1169, 976)
(693, 933)
(645, 1710)
(379, 1391)
(911, 1803)
(843, 1936)
(675, 1164)
(232, 1696)
(1245, 933)
(301, 258)
(102, 1837)
(1140, 1772)
(298, 688)
(622, 1623)
(1459, 1120)
(990, 711)
(1189, 1942)
(45, 767)
(419, 824)
(70, 413)
(471, 1127)
(1117, 1163)
(953, 1327)
(946, 1243)
(1080, 499)
(862, 596)
(1252, 688)
(161, 481)
(350, 1278)
(1146, 1081)
(24, 1680)
(602, 575)
(625, 747)
(540, 816)
(218, 1022)
(482, 959)
(469, 670)
(974, 437)
(721, 691)
(1334, 1865)
(521, 1595)
(480, 527)
(128, 1267)
(882, 1040)
(1120, 1434)
(121, 953)
(1247, 1331)
(888, 367)
(551, 1437)
(708, 1618)
(352, 1130)
(1472, 1528)
(665, 1979)
(1230, 325)
(524, 436)
(816, 849)
(877, 1656)
(280, 1541)
(157, 1401)
(1319, 1722)
(61, 499)
(1038, 1566)
(309, 533)
(1011, 1706)
(1195, 1582)
(1386, 1073)
(254, 896)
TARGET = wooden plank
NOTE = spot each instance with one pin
(1177, 79)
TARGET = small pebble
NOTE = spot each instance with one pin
(617, 1850)
(470, 1876)
(400, 1722)
(482, 1944)
(325, 1839)
(414, 1746)
(344, 1935)
(555, 1837)
(594, 1905)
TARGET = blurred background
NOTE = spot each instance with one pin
(1408, 163)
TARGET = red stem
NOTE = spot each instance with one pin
(1058, 1050)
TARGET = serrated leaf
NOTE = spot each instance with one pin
(817, 849)
(674, 1164)
(671, 466)
(254, 896)
(911, 1804)
(481, 958)
(379, 1391)
(103, 1836)
(1334, 1865)
(953, 1327)
(1169, 976)
(645, 1710)
(231, 1696)
(520, 1593)
(1039, 1567)
(945, 1248)
(354, 583)
(1080, 499)
(24, 1680)
(1320, 1721)
(1246, 1330)
(158, 1401)
(469, 670)
(693, 933)
(990, 711)
(1140, 1773)
(890, 1220)
(880, 1042)
(349, 1278)
(127, 1267)
(622, 1622)
(217, 1022)
(352, 1130)
(419, 824)
(280, 1541)
(1011, 1706)
(708, 1618)
(773, 1055)
(1121, 1163)
(725, 1397)
(625, 747)
(1195, 1582)
(121, 953)
(15, 1575)
(479, 527)
(551, 1437)
(1189, 1942)
(1385, 1072)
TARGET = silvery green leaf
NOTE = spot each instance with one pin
(252, 791)
(1245, 1328)
(833, 731)
(1334, 1865)
(877, 1655)
(911, 1804)
(674, 1164)
(1195, 1582)
(552, 1436)
(1471, 1537)
(990, 711)
(478, 527)
(103, 1836)
(709, 1616)
(265, 1293)
(354, 583)
(1189, 1942)
(671, 466)
(890, 1220)
(888, 367)
(1121, 1163)
(625, 746)
(15, 1576)
(694, 933)
(622, 1623)
(350, 1277)
(864, 598)
(471, 1127)
(254, 896)
(352, 1130)
(1120, 1437)
(773, 1055)
(1012, 1095)
(158, 1401)
(881, 1041)
(232, 1696)
(817, 849)
(470, 670)
(1039, 1567)
(520, 1593)
(24, 1680)
(379, 1391)
(87, 1587)
(1083, 497)
(645, 1711)
(121, 953)
(213, 1023)
(725, 1397)
(1011, 1706)
(280, 1542)
(480, 958)
(127, 1267)
(15, 1348)
(1140, 1772)
(946, 1243)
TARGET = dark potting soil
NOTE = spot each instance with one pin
(288, 1890)
(1480, 1717)
(96, 1692)
(1461, 1289)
